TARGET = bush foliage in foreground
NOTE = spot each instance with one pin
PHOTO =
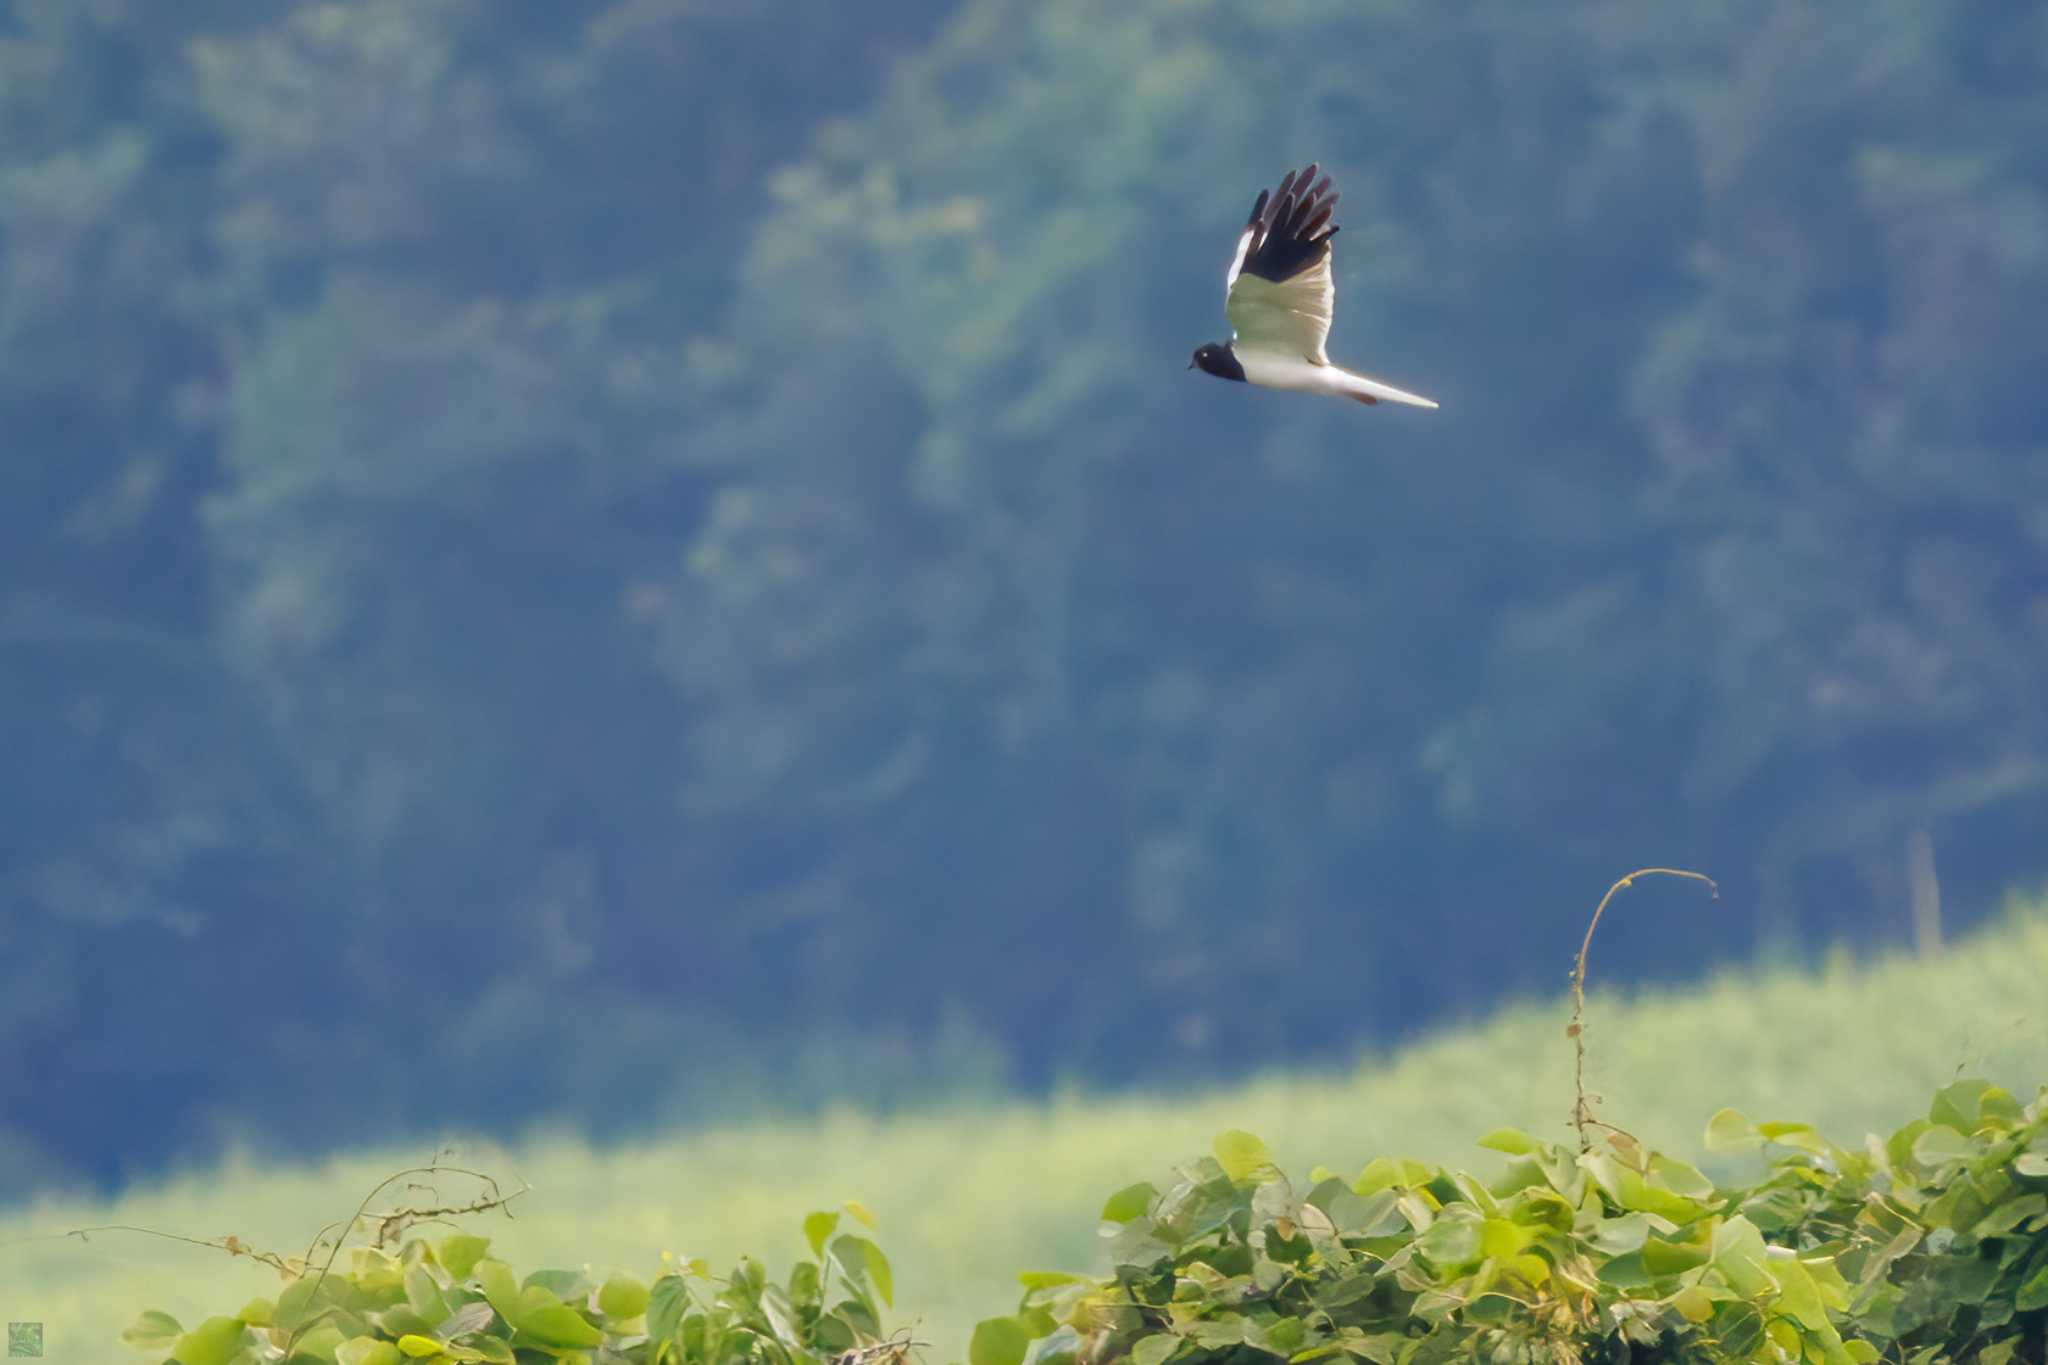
(1930, 1246)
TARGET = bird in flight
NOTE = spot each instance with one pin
(1279, 296)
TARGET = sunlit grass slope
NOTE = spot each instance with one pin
(968, 1197)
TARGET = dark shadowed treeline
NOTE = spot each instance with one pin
(639, 558)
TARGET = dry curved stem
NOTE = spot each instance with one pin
(399, 1219)
(388, 1227)
(1582, 1106)
(231, 1244)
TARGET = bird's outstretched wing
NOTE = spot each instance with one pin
(1279, 294)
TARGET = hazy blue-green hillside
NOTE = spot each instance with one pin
(969, 1195)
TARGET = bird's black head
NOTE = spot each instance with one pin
(1219, 360)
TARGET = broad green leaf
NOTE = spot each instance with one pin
(622, 1297)
(152, 1331)
(2006, 1216)
(1132, 1201)
(2031, 1163)
(1154, 1350)
(419, 1347)
(667, 1300)
(1242, 1156)
(2034, 1293)
(1680, 1177)
(1619, 1236)
(1451, 1241)
(1959, 1106)
(1501, 1239)
(781, 1321)
(258, 1312)
(557, 1324)
(322, 1342)
(1513, 1141)
(818, 1230)
(1938, 1146)
(1803, 1136)
(398, 1320)
(879, 1272)
(566, 1285)
(484, 1351)
(366, 1351)
(1738, 1253)
(213, 1342)
(998, 1341)
(1729, 1131)
(501, 1290)
(1381, 1173)
(423, 1292)
(1661, 1257)
(459, 1253)
(1693, 1303)
(1049, 1279)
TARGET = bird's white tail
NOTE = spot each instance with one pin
(1366, 390)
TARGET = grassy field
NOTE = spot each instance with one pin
(967, 1197)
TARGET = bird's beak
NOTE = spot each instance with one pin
(1191, 364)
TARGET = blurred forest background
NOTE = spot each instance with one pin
(649, 559)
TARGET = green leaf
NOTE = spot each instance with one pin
(2031, 1163)
(860, 1211)
(567, 1285)
(366, 1351)
(1451, 1241)
(482, 1351)
(1959, 1106)
(1738, 1253)
(1729, 1131)
(258, 1312)
(557, 1324)
(152, 1331)
(459, 1253)
(1803, 1136)
(2034, 1293)
(423, 1292)
(2010, 1214)
(879, 1272)
(398, 1320)
(1513, 1141)
(998, 1341)
(1939, 1146)
(1242, 1156)
(818, 1230)
(502, 1291)
(1154, 1350)
(419, 1347)
(213, 1342)
(667, 1301)
(622, 1297)
(321, 1343)
(1132, 1201)
(1049, 1279)
(775, 1307)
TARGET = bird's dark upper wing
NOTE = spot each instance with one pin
(1280, 295)
(1289, 229)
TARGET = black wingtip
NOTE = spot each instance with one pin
(1291, 226)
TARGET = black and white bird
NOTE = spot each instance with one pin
(1279, 296)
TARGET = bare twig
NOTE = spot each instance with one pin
(335, 1235)
(1582, 1108)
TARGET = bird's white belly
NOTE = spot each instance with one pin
(1279, 371)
